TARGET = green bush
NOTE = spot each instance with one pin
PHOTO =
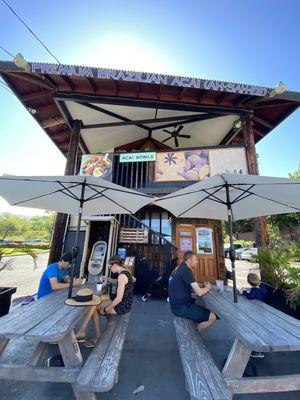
(275, 266)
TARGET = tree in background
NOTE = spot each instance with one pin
(12, 226)
(40, 227)
(20, 228)
(295, 174)
(286, 220)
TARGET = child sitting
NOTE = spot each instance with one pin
(258, 290)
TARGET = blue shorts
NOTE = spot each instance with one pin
(193, 312)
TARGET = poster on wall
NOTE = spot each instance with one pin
(185, 244)
(204, 240)
(228, 160)
(182, 166)
(99, 165)
(199, 164)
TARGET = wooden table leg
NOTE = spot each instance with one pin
(237, 360)
(3, 344)
(72, 357)
(38, 353)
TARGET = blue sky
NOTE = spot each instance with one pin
(253, 41)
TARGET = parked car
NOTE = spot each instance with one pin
(239, 251)
(34, 242)
(248, 254)
(227, 247)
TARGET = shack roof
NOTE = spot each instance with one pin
(118, 107)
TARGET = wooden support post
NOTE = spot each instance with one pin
(220, 251)
(72, 358)
(3, 344)
(270, 384)
(38, 353)
(38, 374)
(237, 360)
(261, 233)
(61, 219)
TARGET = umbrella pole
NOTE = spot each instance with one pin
(231, 251)
(75, 249)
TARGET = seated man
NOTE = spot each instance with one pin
(55, 276)
(180, 290)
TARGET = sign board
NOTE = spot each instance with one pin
(133, 235)
(99, 165)
(195, 165)
(204, 240)
(145, 77)
(185, 244)
(137, 157)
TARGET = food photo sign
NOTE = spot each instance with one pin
(98, 165)
(195, 165)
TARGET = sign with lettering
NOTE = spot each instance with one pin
(145, 77)
(137, 157)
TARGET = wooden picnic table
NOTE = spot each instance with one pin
(257, 327)
(47, 320)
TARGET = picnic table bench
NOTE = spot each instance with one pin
(257, 327)
(100, 371)
(204, 381)
(50, 320)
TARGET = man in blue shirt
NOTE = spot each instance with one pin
(56, 277)
(180, 290)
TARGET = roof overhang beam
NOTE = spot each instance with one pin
(182, 119)
(81, 98)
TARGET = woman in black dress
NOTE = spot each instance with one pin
(120, 305)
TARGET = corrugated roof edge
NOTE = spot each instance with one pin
(110, 72)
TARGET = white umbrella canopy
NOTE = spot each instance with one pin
(72, 194)
(63, 194)
(234, 196)
(250, 196)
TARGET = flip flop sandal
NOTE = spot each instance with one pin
(81, 339)
(90, 343)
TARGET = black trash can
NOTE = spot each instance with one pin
(5, 298)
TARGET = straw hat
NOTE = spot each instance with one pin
(84, 297)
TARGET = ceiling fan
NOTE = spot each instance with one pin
(176, 134)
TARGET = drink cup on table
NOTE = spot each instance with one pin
(220, 285)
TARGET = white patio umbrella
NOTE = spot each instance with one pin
(233, 197)
(77, 195)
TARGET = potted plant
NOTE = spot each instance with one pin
(6, 262)
(282, 278)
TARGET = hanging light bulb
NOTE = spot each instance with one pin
(237, 124)
(31, 110)
(280, 88)
(20, 62)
